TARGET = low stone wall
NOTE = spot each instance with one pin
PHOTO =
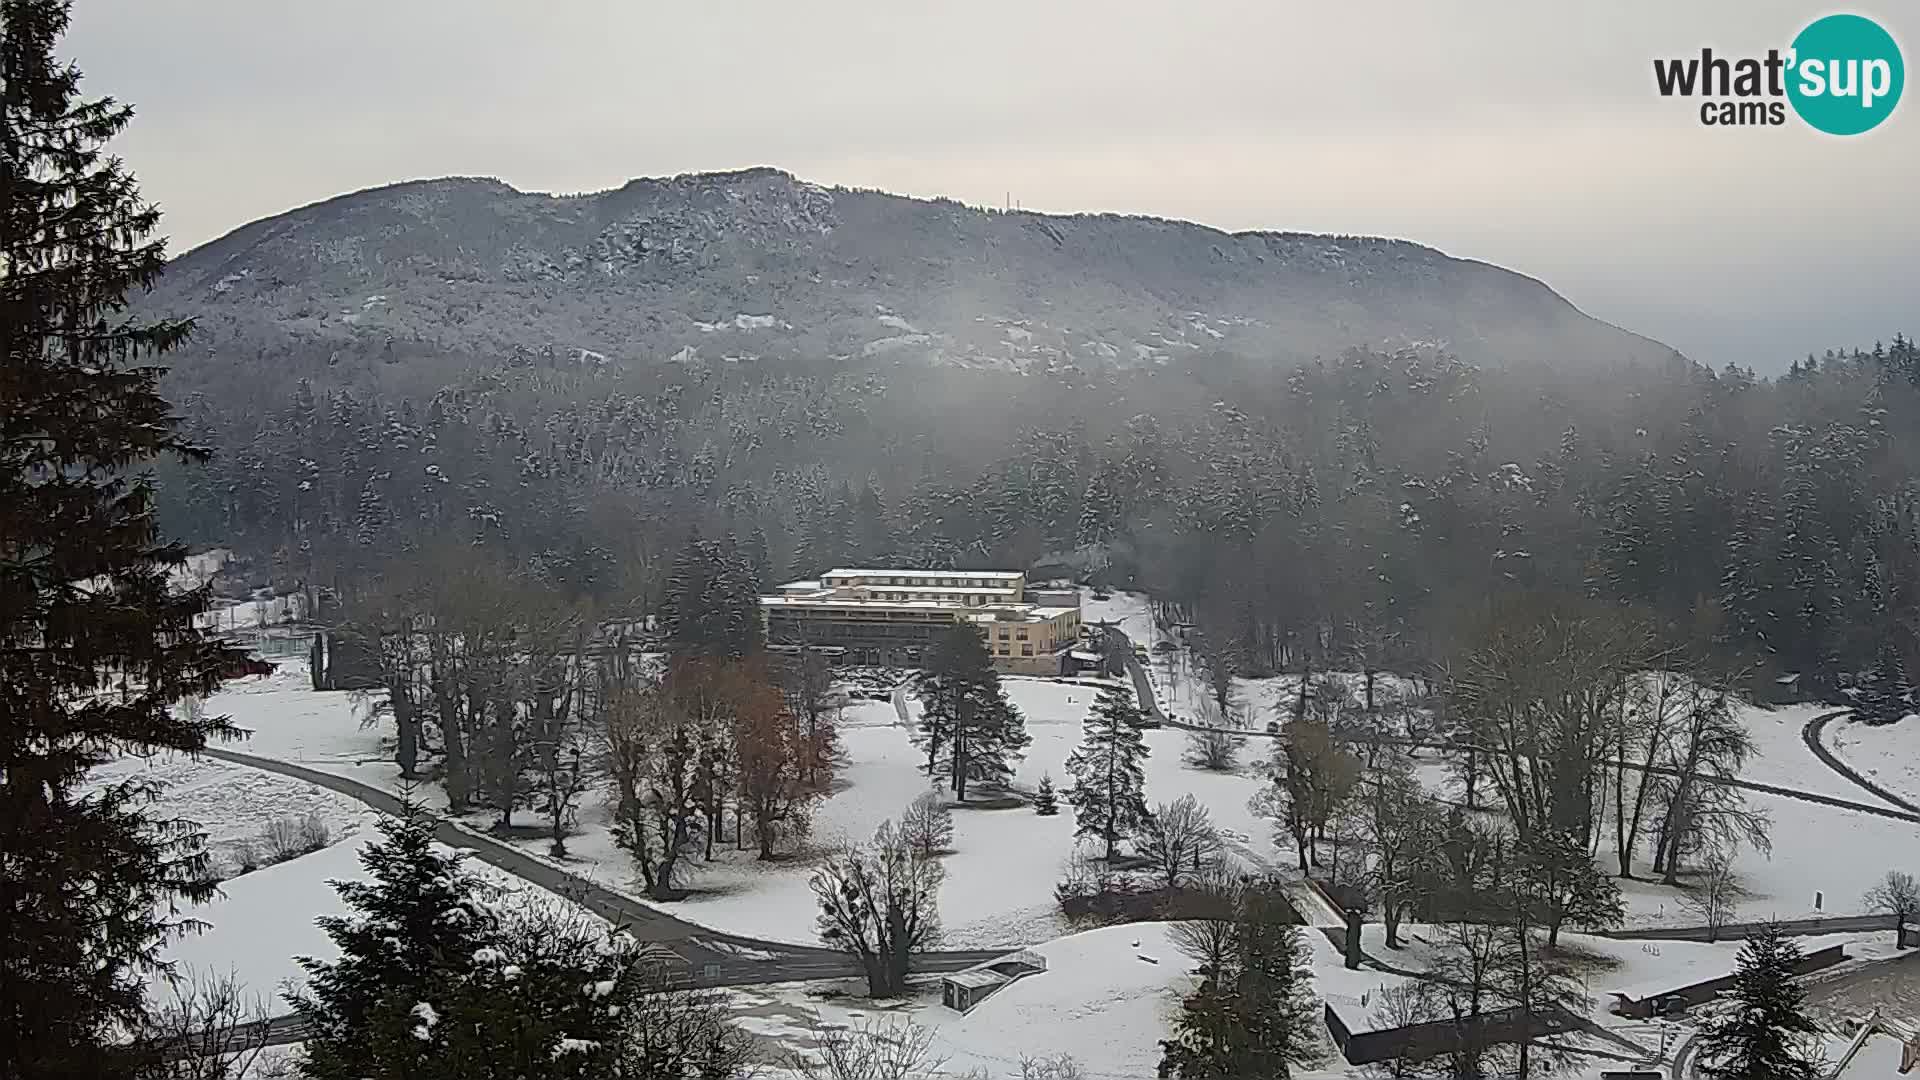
(1417, 1042)
(1686, 997)
(1838, 924)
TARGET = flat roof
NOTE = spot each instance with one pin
(835, 600)
(957, 590)
(976, 575)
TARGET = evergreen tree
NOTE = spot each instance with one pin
(95, 645)
(416, 925)
(967, 723)
(1255, 1016)
(1045, 802)
(564, 997)
(1754, 1032)
(1884, 695)
(1108, 784)
(712, 607)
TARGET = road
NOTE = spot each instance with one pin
(1811, 735)
(1909, 812)
(712, 957)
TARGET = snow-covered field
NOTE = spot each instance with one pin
(1823, 858)
(1888, 755)
(1130, 611)
(261, 922)
(1004, 865)
(1101, 1001)
(232, 804)
(1000, 876)
(1105, 1000)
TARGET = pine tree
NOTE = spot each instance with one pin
(967, 723)
(712, 607)
(1045, 803)
(1884, 695)
(95, 646)
(1255, 1016)
(1754, 1031)
(1108, 785)
(416, 925)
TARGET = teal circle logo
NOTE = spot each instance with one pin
(1846, 74)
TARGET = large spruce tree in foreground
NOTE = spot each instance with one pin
(1758, 1030)
(95, 647)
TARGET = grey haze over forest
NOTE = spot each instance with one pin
(1525, 135)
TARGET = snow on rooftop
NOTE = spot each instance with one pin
(969, 590)
(971, 575)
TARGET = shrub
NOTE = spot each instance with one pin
(246, 857)
(289, 838)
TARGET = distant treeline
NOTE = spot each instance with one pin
(1354, 510)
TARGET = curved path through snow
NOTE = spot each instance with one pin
(1811, 733)
(714, 958)
(1908, 811)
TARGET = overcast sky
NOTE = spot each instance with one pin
(1524, 133)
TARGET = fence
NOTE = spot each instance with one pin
(1700, 993)
(1417, 1042)
(1838, 924)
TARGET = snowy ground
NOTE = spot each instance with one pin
(1106, 999)
(1823, 859)
(232, 804)
(1100, 1002)
(1131, 611)
(1889, 755)
(260, 922)
(1005, 863)
(1000, 875)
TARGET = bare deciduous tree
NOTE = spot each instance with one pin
(204, 1029)
(1402, 838)
(771, 758)
(1707, 743)
(1716, 894)
(1180, 841)
(1310, 777)
(1207, 935)
(927, 825)
(1216, 749)
(873, 1050)
(1897, 894)
(652, 763)
(880, 904)
(1057, 1067)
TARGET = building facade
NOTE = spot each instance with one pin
(893, 616)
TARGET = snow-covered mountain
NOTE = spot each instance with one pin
(758, 265)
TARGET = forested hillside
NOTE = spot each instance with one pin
(758, 267)
(1357, 510)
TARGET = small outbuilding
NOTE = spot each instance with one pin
(962, 990)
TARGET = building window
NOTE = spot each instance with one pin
(1026, 650)
(1021, 633)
